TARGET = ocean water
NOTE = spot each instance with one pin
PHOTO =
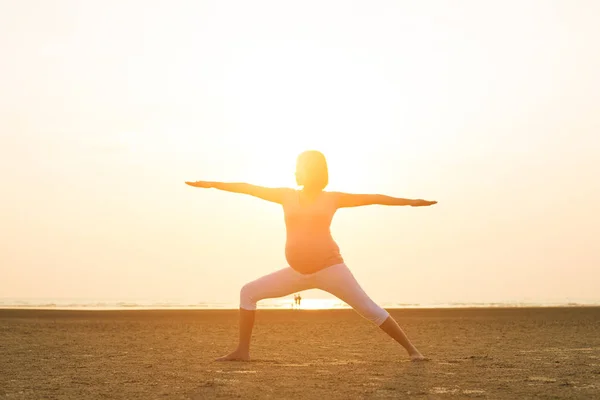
(283, 303)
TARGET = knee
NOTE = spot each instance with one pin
(247, 297)
(376, 314)
(380, 317)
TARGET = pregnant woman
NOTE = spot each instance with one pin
(313, 256)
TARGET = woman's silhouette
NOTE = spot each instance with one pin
(313, 256)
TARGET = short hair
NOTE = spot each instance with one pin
(314, 168)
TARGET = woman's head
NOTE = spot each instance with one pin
(311, 170)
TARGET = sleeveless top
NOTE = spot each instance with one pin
(309, 245)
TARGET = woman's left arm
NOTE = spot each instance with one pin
(355, 200)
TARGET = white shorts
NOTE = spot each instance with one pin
(337, 280)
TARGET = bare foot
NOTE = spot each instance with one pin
(236, 355)
(417, 356)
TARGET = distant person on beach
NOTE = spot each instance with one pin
(299, 300)
(313, 256)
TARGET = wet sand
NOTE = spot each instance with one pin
(334, 354)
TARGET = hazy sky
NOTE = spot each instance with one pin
(491, 108)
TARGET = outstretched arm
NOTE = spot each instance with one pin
(356, 200)
(274, 195)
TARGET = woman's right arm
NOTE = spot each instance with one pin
(274, 195)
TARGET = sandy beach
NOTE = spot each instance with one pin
(475, 353)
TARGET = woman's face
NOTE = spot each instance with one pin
(309, 168)
(300, 173)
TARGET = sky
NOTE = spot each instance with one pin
(490, 108)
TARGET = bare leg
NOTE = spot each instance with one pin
(339, 281)
(242, 353)
(278, 284)
(391, 327)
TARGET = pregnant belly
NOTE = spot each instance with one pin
(308, 256)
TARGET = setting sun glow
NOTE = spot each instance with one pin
(470, 106)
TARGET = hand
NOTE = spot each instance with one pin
(422, 203)
(199, 184)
